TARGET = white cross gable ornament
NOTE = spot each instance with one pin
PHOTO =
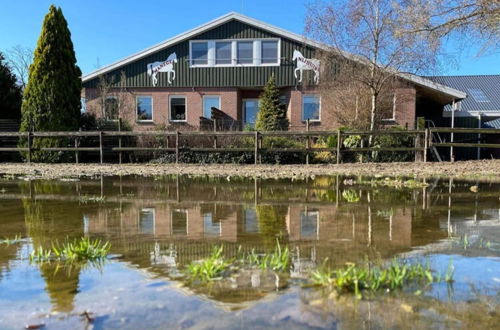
(165, 66)
(305, 64)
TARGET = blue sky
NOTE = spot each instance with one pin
(104, 31)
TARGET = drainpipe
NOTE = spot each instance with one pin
(453, 106)
(479, 136)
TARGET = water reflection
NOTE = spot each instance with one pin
(159, 225)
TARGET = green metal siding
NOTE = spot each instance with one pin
(217, 76)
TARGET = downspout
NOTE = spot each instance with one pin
(453, 106)
(479, 136)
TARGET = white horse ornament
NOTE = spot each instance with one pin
(165, 66)
(306, 64)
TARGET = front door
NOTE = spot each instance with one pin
(250, 109)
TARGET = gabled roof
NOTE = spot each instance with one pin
(265, 26)
(483, 92)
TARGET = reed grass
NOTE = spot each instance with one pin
(356, 279)
(209, 269)
(83, 249)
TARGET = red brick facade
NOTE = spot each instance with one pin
(231, 104)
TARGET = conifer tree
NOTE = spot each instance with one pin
(272, 113)
(10, 93)
(52, 96)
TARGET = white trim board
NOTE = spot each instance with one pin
(265, 26)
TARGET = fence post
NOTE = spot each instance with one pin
(426, 144)
(256, 151)
(339, 143)
(119, 141)
(215, 125)
(29, 147)
(101, 151)
(177, 146)
(76, 150)
(215, 141)
(308, 142)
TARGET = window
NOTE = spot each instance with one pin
(269, 52)
(210, 102)
(223, 52)
(245, 52)
(147, 221)
(250, 109)
(251, 221)
(211, 228)
(311, 107)
(177, 108)
(179, 222)
(199, 53)
(309, 224)
(478, 95)
(83, 102)
(111, 108)
(144, 108)
(249, 52)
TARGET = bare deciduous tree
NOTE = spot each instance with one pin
(114, 99)
(20, 59)
(478, 19)
(367, 54)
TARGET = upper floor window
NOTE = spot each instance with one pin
(223, 52)
(144, 108)
(199, 53)
(83, 102)
(269, 52)
(245, 52)
(311, 107)
(237, 52)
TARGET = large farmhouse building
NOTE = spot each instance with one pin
(224, 64)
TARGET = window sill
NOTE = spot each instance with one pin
(178, 121)
(311, 121)
(240, 65)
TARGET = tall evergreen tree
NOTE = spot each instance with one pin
(272, 113)
(10, 93)
(52, 96)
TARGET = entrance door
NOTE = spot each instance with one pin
(250, 109)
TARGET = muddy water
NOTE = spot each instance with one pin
(159, 225)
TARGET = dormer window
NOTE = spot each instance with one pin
(238, 52)
(199, 53)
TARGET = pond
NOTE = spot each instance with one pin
(158, 226)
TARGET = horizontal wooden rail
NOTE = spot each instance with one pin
(105, 142)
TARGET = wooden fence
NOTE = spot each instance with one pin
(422, 142)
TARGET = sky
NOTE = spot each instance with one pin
(104, 31)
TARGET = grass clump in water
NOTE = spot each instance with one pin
(83, 249)
(85, 199)
(10, 241)
(279, 260)
(211, 268)
(356, 279)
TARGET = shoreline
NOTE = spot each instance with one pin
(481, 169)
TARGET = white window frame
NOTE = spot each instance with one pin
(191, 60)
(83, 102)
(203, 102)
(170, 108)
(257, 51)
(152, 110)
(146, 209)
(302, 115)
(393, 118)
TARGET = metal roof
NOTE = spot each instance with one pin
(492, 124)
(483, 92)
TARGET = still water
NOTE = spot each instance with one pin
(159, 225)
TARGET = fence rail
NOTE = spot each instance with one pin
(422, 142)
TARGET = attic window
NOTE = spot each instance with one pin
(478, 95)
